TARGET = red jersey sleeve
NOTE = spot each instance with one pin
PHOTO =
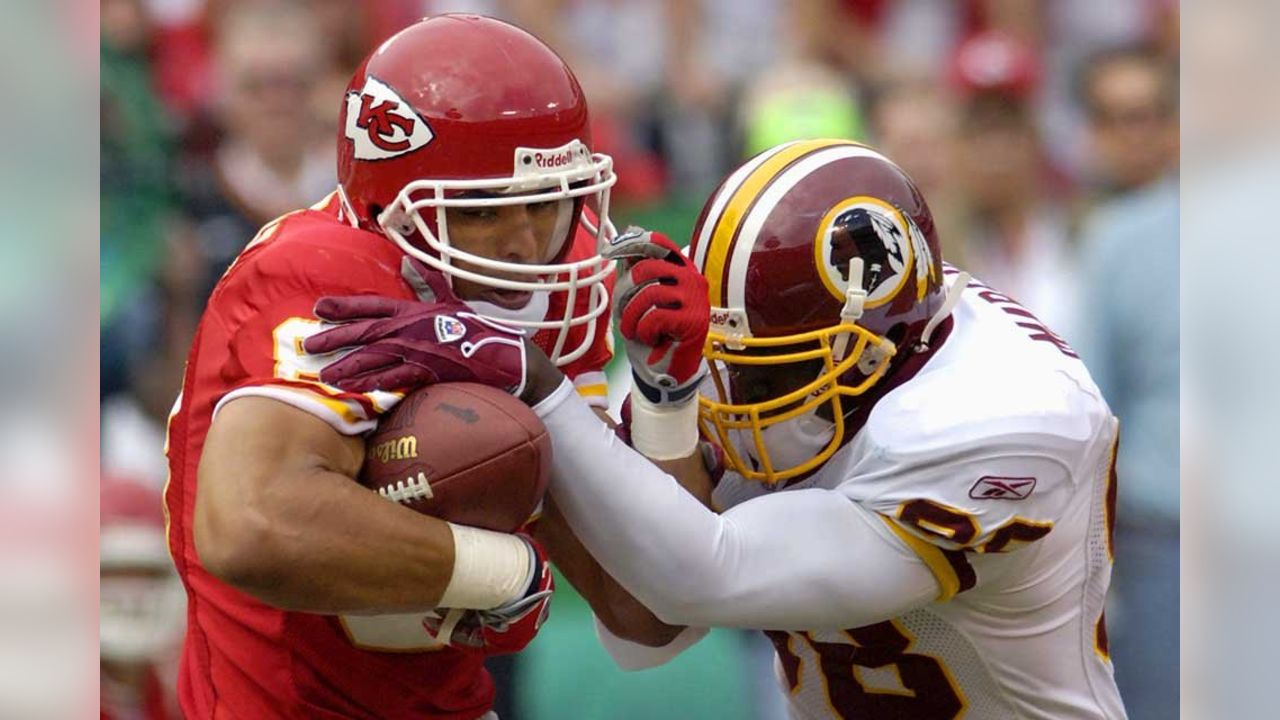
(267, 309)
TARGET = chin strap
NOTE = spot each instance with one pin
(954, 291)
(855, 297)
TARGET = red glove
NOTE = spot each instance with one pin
(662, 310)
(508, 628)
(404, 344)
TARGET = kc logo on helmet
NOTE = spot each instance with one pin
(381, 124)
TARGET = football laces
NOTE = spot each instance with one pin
(407, 490)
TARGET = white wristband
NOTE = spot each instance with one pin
(489, 569)
(663, 432)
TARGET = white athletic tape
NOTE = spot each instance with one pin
(489, 569)
(663, 432)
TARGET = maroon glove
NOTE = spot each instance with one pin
(508, 628)
(663, 313)
(405, 344)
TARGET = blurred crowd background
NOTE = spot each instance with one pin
(1044, 135)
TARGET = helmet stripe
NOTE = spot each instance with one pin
(726, 191)
(729, 222)
(736, 273)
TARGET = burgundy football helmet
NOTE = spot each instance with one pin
(823, 263)
(466, 111)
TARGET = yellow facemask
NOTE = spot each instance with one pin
(721, 419)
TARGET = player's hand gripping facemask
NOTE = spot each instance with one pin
(661, 309)
(662, 312)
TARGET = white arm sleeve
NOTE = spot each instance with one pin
(795, 560)
(634, 656)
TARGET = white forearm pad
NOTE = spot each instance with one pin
(663, 432)
(629, 656)
(489, 569)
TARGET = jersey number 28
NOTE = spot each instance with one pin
(906, 685)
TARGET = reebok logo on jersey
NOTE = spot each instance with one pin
(381, 124)
(449, 329)
(990, 487)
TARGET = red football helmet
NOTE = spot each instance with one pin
(464, 111)
(823, 264)
(142, 604)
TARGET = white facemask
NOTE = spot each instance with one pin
(789, 443)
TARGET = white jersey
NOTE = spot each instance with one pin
(995, 465)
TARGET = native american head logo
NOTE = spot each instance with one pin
(888, 242)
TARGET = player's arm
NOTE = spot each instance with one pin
(277, 511)
(623, 623)
(630, 632)
(792, 560)
(616, 609)
(278, 516)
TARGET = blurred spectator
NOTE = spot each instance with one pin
(1131, 343)
(870, 40)
(348, 29)
(1071, 32)
(1130, 96)
(143, 606)
(618, 51)
(913, 121)
(181, 54)
(1017, 229)
(799, 101)
(136, 177)
(997, 64)
(133, 423)
(873, 41)
(665, 74)
(710, 59)
(274, 154)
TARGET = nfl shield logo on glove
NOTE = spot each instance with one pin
(449, 329)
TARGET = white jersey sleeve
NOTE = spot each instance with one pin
(986, 461)
(963, 493)
(958, 468)
(634, 656)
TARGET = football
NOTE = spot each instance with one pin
(462, 452)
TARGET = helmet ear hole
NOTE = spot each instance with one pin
(897, 333)
(374, 210)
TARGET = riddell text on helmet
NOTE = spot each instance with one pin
(548, 161)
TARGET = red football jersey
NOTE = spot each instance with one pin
(241, 657)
